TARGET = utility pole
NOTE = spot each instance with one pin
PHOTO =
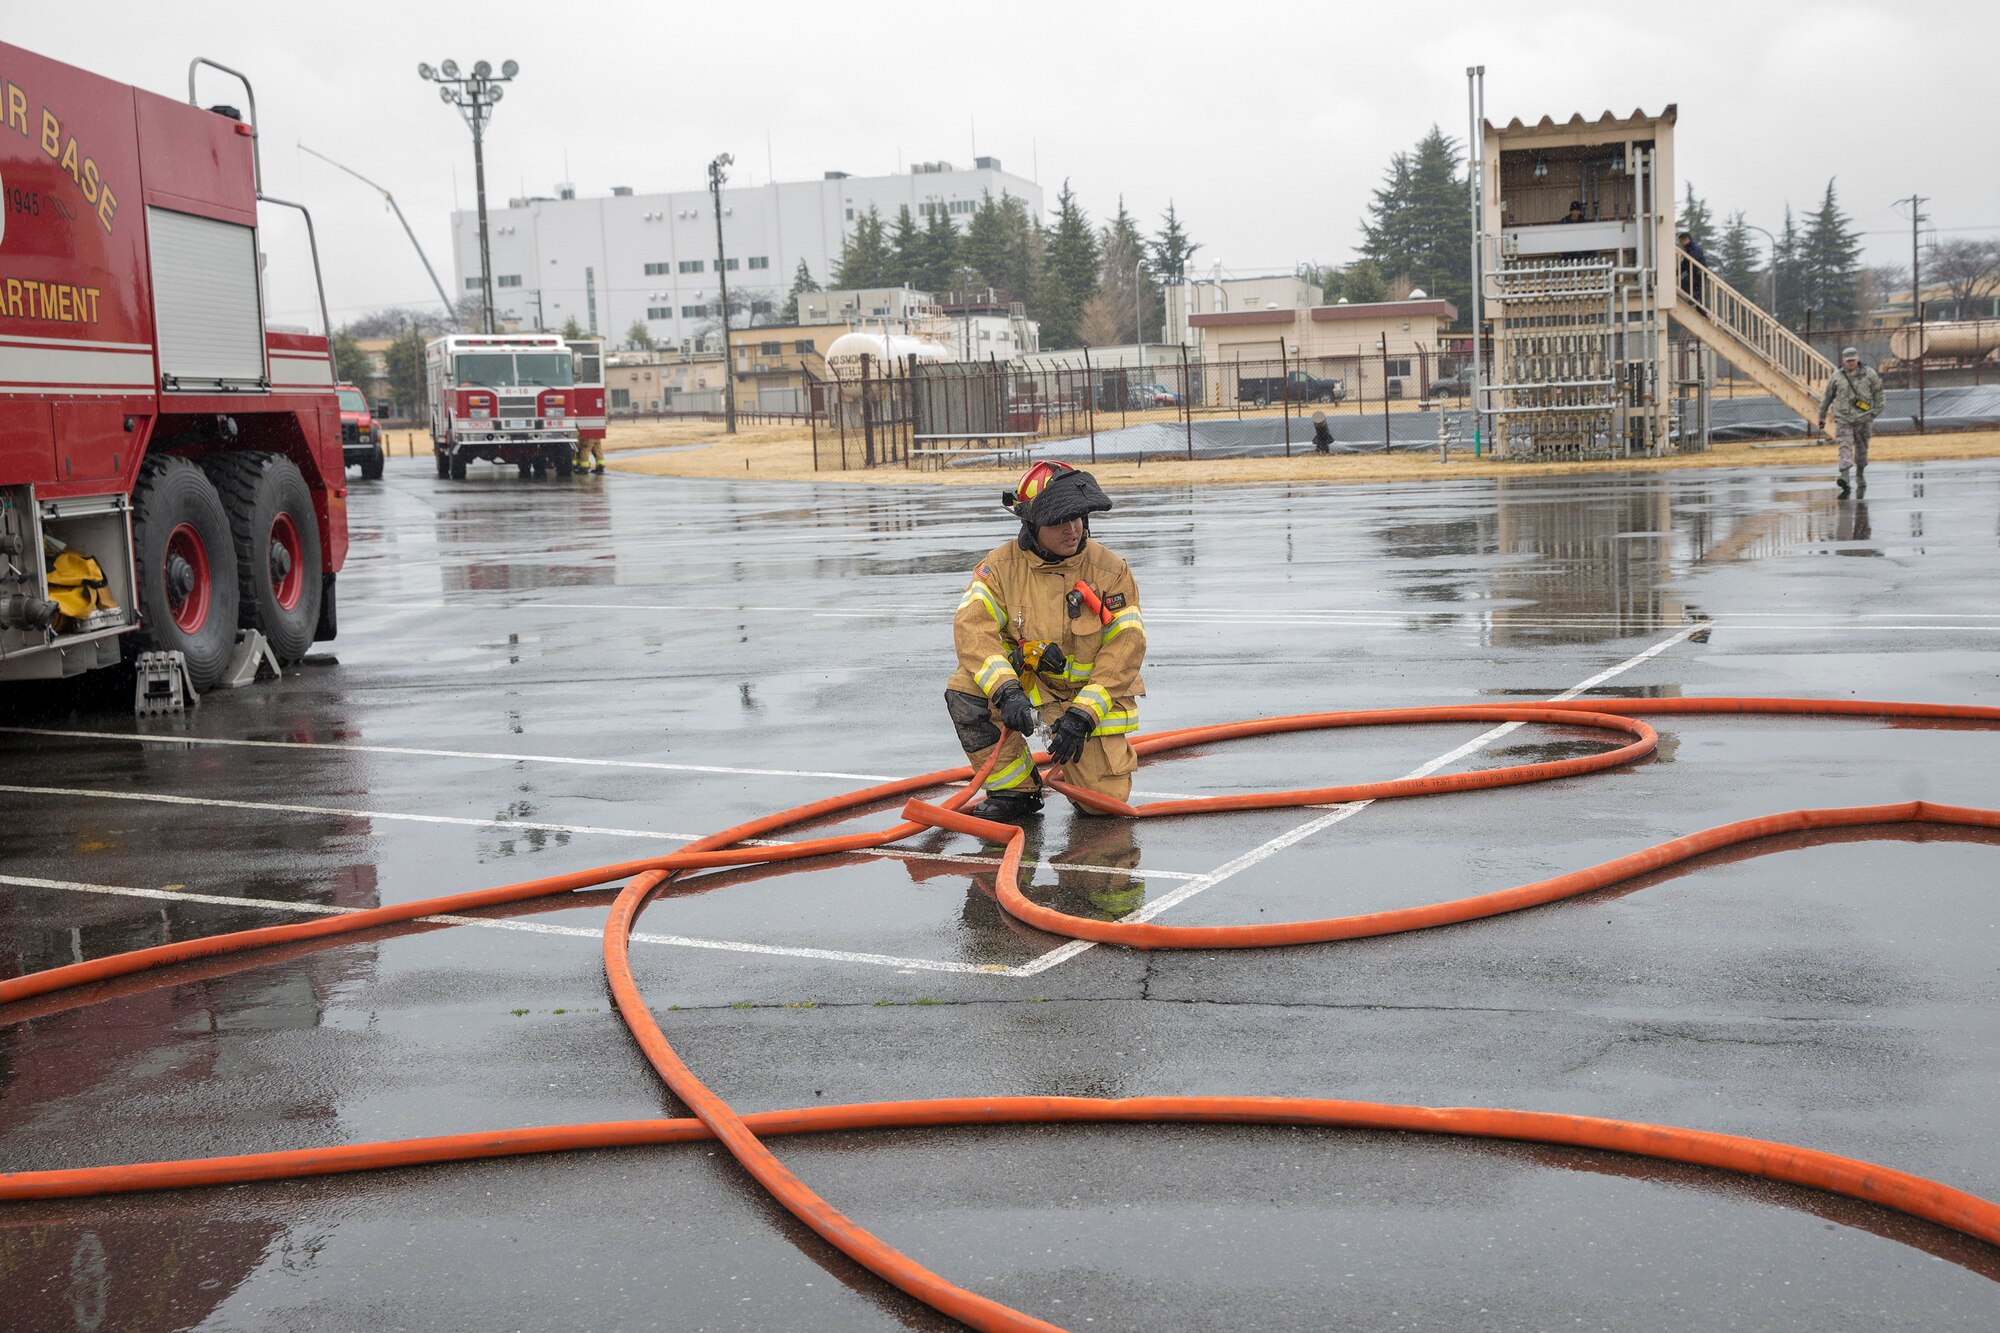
(475, 96)
(1917, 219)
(1475, 166)
(717, 173)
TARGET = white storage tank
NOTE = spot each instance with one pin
(843, 358)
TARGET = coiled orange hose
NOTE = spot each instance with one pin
(743, 1135)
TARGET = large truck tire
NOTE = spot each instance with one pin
(457, 464)
(371, 466)
(444, 463)
(563, 459)
(276, 532)
(186, 556)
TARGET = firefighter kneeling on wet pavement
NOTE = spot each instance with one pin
(1049, 636)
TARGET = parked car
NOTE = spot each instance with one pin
(360, 437)
(1457, 385)
(1298, 387)
(1154, 395)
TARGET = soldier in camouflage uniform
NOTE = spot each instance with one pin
(1854, 392)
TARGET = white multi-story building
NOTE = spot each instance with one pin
(614, 259)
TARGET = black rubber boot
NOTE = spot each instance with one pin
(1840, 484)
(1860, 481)
(1009, 807)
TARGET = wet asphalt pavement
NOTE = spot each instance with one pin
(539, 678)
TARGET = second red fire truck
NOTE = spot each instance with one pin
(521, 398)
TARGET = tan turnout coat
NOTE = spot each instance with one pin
(1015, 597)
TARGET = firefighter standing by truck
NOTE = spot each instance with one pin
(1049, 633)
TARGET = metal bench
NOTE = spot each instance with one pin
(927, 453)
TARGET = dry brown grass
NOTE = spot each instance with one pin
(784, 453)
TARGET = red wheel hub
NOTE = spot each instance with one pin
(187, 577)
(288, 574)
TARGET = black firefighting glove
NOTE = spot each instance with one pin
(1066, 737)
(1015, 710)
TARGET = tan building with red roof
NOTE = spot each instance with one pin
(1344, 341)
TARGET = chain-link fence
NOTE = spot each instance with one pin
(1935, 377)
(921, 414)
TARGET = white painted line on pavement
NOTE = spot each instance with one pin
(527, 927)
(885, 853)
(174, 742)
(1064, 952)
(162, 798)
(415, 752)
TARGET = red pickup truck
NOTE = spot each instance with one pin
(360, 437)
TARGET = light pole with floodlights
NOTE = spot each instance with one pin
(474, 95)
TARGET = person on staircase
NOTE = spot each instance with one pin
(1690, 248)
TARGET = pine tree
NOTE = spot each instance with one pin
(1172, 250)
(936, 269)
(1786, 265)
(1417, 228)
(1736, 260)
(405, 364)
(1697, 222)
(1021, 268)
(906, 250)
(350, 363)
(1069, 273)
(1124, 279)
(983, 249)
(1362, 282)
(1002, 248)
(802, 282)
(1382, 238)
(864, 257)
(1830, 255)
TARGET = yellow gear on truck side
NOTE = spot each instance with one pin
(78, 587)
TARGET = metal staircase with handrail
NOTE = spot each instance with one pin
(1750, 338)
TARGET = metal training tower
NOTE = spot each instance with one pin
(1579, 263)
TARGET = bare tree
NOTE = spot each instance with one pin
(1107, 318)
(749, 308)
(393, 320)
(1969, 269)
(1878, 284)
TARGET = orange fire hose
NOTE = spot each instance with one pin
(742, 1135)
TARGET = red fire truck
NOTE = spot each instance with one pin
(520, 398)
(170, 469)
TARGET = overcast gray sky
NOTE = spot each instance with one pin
(1267, 124)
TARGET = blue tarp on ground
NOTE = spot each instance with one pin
(1964, 407)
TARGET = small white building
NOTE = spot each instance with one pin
(1227, 296)
(859, 307)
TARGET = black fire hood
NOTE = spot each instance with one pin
(1070, 494)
